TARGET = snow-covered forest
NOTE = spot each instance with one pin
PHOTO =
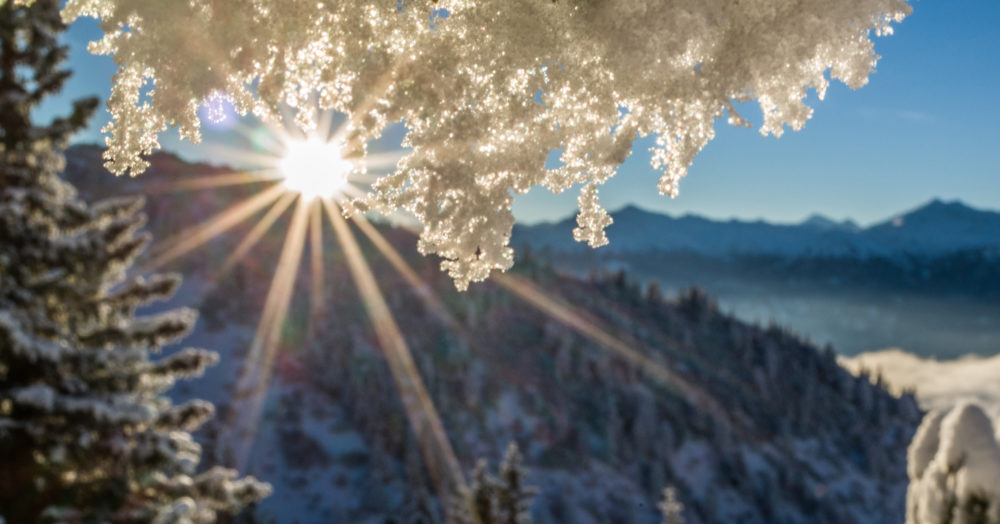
(345, 334)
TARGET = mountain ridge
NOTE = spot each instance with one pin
(934, 228)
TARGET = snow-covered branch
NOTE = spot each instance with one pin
(486, 88)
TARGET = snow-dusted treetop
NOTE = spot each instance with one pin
(486, 88)
(954, 468)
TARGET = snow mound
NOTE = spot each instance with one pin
(954, 469)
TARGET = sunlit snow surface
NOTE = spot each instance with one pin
(954, 459)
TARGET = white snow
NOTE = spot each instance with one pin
(965, 464)
(38, 396)
(21, 343)
(488, 89)
(925, 444)
(969, 446)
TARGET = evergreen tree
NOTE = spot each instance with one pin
(671, 507)
(513, 498)
(483, 498)
(954, 469)
(85, 432)
(492, 500)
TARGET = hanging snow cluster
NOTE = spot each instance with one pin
(486, 88)
(954, 469)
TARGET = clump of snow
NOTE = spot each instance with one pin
(954, 469)
(38, 396)
(12, 333)
(182, 510)
(968, 446)
(487, 88)
(925, 444)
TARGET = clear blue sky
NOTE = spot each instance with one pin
(926, 126)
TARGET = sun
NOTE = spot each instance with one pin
(314, 168)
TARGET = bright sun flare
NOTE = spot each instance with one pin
(314, 168)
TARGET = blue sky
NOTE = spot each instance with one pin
(926, 126)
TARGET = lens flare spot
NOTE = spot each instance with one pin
(218, 111)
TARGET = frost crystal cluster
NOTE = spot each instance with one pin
(486, 88)
(954, 469)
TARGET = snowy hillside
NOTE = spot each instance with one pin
(797, 438)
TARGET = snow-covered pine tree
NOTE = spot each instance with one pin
(483, 498)
(513, 497)
(492, 500)
(85, 432)
(671, 508)
(954, 469)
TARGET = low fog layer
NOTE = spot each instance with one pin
(938, 383)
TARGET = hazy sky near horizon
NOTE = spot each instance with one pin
(926, 126)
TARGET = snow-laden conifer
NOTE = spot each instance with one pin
(496, 500)
(954, 469)
(486, 88)
(513, 497)
(85, 431)
(670, 507)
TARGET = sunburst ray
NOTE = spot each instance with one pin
(187, 240)
(421, 288)
(241, 157)
(215, 181)
(256, 375)
(255, 234)
(439, 457)
(316, 267)
(590, 327)
(272, 153)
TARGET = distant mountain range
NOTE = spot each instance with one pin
(934, 229)
(927, 280)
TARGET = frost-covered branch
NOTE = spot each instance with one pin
(486, 88)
